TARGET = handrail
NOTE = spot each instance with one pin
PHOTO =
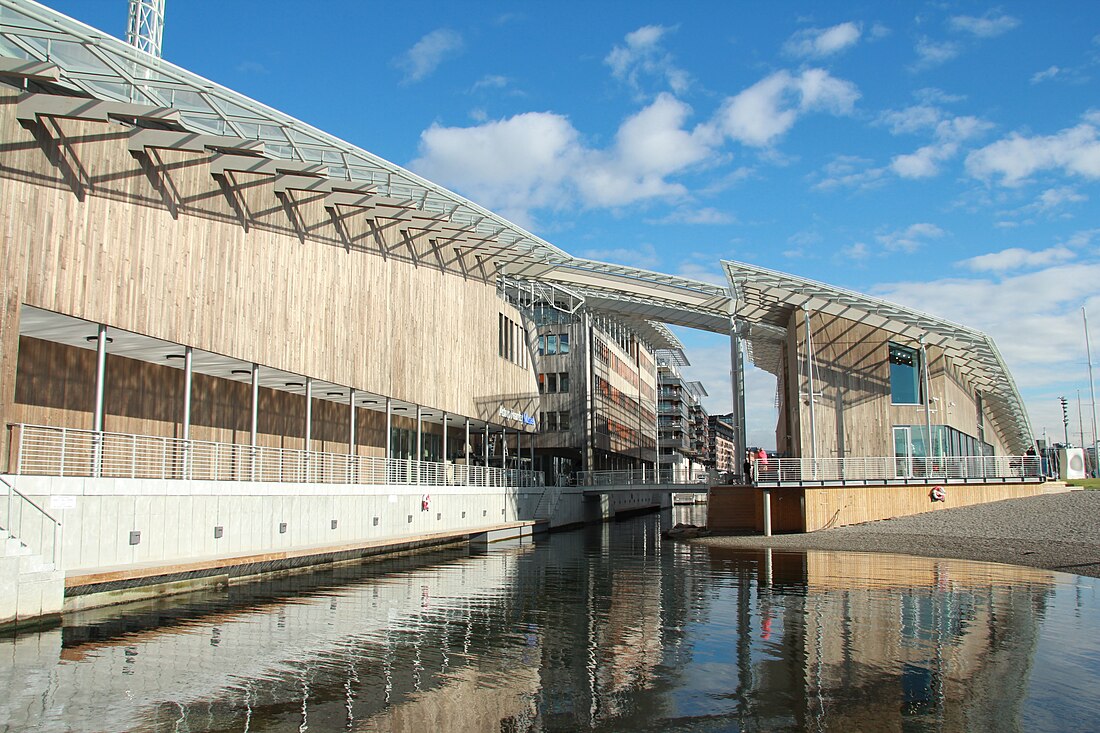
(52, 451)
(12, 491)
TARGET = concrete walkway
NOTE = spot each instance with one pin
(1055, 532)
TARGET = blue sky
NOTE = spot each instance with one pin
(942, 155)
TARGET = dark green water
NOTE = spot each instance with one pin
(605, 628)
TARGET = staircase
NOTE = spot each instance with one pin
(32, 589)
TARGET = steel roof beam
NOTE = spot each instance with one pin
(41, 71)
(222, 164)
(33, 106)
(144, 137)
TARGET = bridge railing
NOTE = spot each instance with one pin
(890, 469)
(50, 451)
(645, 477)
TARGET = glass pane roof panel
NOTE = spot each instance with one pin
(279, 151)
(229, 109)
(119, 91)
(213, 125)
(9, 49)
(10, 16)
(75, 57)
(185, 100)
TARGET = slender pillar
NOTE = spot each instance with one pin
(444, 438)
(351, 422)
(255, 419)
(767, 512)
(389, 427)
(308, 440)
(187, 375)
(485, 448)
(927, 407)
(810, 390)
(1092, 396)
(100, 387)
(185, 468)
(466, 445)
(419, 436)
(737, 382)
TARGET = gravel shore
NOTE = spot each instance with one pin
(1055, 532)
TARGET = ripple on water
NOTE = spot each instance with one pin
(603, 628)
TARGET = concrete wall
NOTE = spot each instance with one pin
(177, 519)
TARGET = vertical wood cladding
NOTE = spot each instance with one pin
(155, 245)
(853, 411)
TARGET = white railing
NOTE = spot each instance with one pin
(49, 451)
(30, 524)
(648, 477)
(864, 470)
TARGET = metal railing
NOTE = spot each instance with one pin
(648, 477)
(30, 524)
(49, 451)
(900, 469)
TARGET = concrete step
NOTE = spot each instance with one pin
(34, 564)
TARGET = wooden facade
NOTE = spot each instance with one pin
(853, 413)
(153, 243)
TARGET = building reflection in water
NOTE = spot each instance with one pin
(608, 627)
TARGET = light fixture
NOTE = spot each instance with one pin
(175, 356)
(242, 371)
(294, 384)
(93, 339)
(335, 394)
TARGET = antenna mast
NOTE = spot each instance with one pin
(146, 25)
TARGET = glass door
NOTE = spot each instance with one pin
(903, 453)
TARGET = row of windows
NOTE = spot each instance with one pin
(551, 421)
(511, 340)
(544, 315)
(604, 354)
(553, 382)
(620, 398)
(624, 435)
(553, 343)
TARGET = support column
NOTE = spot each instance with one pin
(485, 447)
(100, 387)
(188, 373)
(767, 497)
(446, 480)
(351, 436)
(389, 428)
(466, 445)
(255, 420)
(737, 382)
(926, 387)
(810, 391)
(419, 444)
(307, 441)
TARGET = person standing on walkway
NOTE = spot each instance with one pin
(761, 464)
(746, 467)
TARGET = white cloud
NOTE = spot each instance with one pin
(1054, 198)
(1048, 73)
(931, 53)
(915, 118)
(949, 133)
(849, 171)
(1018, 258)
(428, 53)
(822, 42)
(491, 81)
(911, 238)
(706, 215)
(641, 55)
(765, 111)
(1014, 159)
(644, 256)
(509, 165)
(856, 251)
(987, 26)
(537, 160)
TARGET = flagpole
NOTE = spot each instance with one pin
(1092, 393)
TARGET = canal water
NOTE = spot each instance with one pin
(603, 628)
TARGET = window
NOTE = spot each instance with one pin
(542, 345)
(542, 383)
(904, 376)
(551, 344)
(551, 383)
(500, 334)
(549, 421)
(563, 382)
(563, 420)
(563, 340)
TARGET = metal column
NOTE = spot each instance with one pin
(810, 390)
(926, 386)
(255, 419)
(466, 445)
(100, 387)
(389, 427)
(185, 471)
(351, 422)
(737, 382)
(307, 440)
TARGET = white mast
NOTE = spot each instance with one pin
(1092, 392)
(146, 26)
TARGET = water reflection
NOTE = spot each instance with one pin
(605, 628)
